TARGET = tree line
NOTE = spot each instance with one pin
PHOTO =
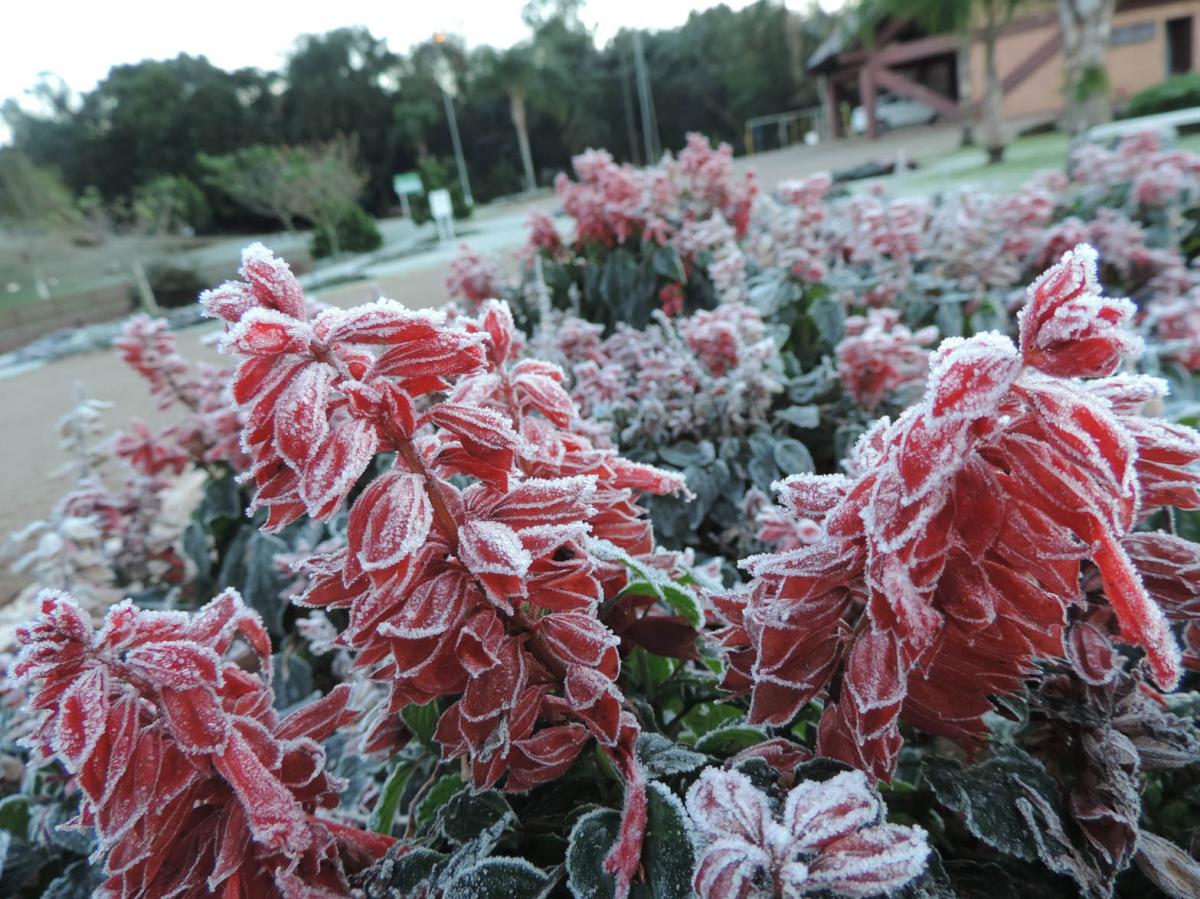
(522, 111)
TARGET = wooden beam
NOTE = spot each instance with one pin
(1022, 71)
(906, 87)
(937, 45)
(1041, 55)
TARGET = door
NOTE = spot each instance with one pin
(1179, 46)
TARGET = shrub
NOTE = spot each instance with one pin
(453, 580)
(356, 232)
(1177, 92)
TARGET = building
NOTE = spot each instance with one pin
(1151, 40)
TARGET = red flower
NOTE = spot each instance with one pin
(192, 782)
(948, 559)
(483, 587)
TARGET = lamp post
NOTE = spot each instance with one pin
(445, 80)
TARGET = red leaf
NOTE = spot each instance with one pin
(337, 463)
(197, 721)
(390, 520)
(178, 665)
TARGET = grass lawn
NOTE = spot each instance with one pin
(969, 167)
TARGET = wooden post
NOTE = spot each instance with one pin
(833, 115)
(866, 90)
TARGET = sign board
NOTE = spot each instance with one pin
(440, 206)
(407, 184)
(442, 211)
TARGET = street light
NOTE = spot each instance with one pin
(444, 75)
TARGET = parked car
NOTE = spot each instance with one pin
(892, 112)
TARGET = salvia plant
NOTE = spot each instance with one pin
(498, 601)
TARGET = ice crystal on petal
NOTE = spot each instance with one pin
(975, 508)
(829, 838)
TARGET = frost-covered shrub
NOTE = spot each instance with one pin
(975, 509)
(987, 599)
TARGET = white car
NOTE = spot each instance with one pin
(892, 112)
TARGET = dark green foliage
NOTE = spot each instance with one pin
(1177, 92)
(355, 232)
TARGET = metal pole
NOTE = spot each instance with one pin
(630, 126)
(458, 153)
(649, 128)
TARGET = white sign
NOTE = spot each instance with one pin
(440, 205)
(442, 211)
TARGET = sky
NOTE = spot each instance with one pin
(81, 39)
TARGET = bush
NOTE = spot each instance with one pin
(450, 654)
(1178, 92)
(173, 286)
(356, 233)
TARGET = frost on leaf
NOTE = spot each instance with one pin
(178, 752)
(466, 572)
(945, 564)
(830, 837)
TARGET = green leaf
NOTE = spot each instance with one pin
(498, 878)
(264, 584)
(986, 796)
(826, 313)
(466, 815)
(197, 548)
(678, 597)
(662, 757)
(668, 855)
(293, 679)
(707, 717)
(687, 452)
(422, 720)
(384, 813)
(222, 499)
(592, 838)
(727, 741)
(412, 869)
(793, 457)
(805, 417)
(439, 794)
(14, 815)
(668, 264)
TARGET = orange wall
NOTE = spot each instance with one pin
(1131, 68)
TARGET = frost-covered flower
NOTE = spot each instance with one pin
(880, 357)
(973, 510)
(473, 277)
(828, 837)
(466, 571)
(193, 783)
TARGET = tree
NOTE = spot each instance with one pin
(516, 72)
(34, 203)
(317, 183)
(329, 187)
(345, 82)
(1086, 27)
(962, 16)
(259, 178)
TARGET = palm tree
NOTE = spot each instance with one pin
(1086, 28)
(516, 72)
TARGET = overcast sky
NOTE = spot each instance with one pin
(81, 39)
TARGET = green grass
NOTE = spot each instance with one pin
(969, 168)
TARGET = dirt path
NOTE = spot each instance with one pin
(32, 401)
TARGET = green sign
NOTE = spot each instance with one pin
(407, 183)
